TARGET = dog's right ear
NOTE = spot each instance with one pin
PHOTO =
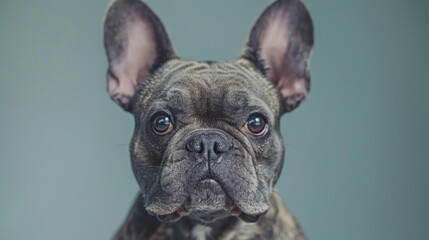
(136, 44)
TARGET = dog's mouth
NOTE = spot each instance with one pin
(205, 218)
(211, 185)
(208, 202)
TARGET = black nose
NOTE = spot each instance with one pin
(209, 145)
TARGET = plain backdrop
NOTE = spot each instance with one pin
(357, 150)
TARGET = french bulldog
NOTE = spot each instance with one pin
(207, 149)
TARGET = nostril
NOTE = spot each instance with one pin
(195, 146)
(220, 147)
(216, 148)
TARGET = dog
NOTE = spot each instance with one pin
(207, 149)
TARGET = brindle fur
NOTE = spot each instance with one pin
(211, 100)
(278, 223)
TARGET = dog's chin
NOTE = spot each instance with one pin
(206, 203)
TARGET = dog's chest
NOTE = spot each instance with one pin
(200, 232)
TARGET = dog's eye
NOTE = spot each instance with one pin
(256, 125)
(161, 124)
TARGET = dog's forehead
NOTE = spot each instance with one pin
(210, 87)
(209, 73)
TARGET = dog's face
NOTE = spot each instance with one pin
(207, 141)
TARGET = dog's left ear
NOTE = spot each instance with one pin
(279, 46)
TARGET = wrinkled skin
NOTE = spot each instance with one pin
(204, 98)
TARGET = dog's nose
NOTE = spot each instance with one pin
(208, 145)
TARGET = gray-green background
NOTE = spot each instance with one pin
(357, 149)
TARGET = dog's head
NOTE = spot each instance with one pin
(207, 141)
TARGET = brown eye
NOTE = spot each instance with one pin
(162, 124)
(256, 125)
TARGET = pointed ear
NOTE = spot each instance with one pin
(136, 44)
(279, 46)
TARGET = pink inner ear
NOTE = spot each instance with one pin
(298, 86)
(134, 65)
(121, 91)
(274, 47)
(274, 44)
